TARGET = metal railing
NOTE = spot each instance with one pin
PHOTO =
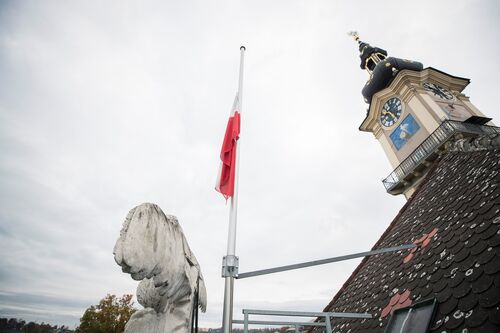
(297, 325)
(437, 138)
(327, 315)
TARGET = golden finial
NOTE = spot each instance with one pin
(354, 34)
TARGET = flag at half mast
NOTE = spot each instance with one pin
(227, 170)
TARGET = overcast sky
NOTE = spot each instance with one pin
(108, 104)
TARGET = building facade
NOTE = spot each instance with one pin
(446, 159)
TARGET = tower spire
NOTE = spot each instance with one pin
(381, 68)
(370, 56)
(354, 34)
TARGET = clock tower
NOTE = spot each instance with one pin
(414, 112)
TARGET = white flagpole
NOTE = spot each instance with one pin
(230, 259)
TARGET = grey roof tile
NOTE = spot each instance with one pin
(459, 264)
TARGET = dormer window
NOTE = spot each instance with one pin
(413, 319)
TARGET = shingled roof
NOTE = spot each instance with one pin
(454, 218)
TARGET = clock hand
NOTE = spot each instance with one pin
(390, 113)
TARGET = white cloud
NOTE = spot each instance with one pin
(104, 105)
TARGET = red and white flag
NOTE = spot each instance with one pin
(227, 171)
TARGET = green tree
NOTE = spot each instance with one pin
(109, 316)
(32, 327)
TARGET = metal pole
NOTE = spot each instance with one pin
(245, 325)
(328, 324)
(227, 318)
(308, 314)
(323, 261)
(197, 303)
(280, 323)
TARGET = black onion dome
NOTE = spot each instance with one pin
(384, 72)
(382, 69)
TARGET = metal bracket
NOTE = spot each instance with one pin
(230, 266)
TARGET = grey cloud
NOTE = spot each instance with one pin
(104, 106)
(14, 298)
(41, 308)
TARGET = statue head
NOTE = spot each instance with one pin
(149, 242)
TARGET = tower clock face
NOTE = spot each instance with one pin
(391, 111)
(438, 91)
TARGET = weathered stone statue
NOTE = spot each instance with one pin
(152, 249)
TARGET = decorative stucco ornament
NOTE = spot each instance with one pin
(152, 249)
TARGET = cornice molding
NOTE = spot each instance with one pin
(411, 80)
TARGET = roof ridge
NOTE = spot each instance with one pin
(483, 142)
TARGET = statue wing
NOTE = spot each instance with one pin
(188, 254)
(202, 294)
(202, 291)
